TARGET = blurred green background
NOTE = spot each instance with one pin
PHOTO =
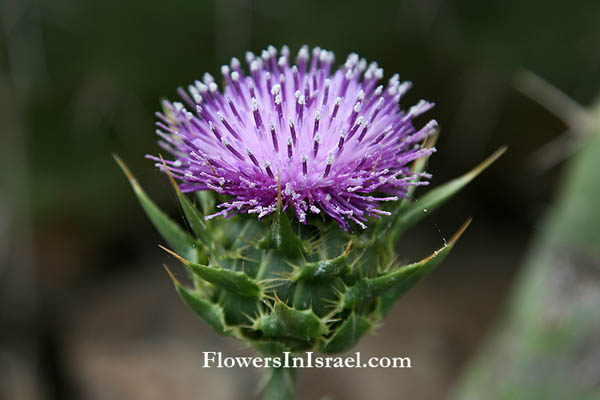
(84, 308)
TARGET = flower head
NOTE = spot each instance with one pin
(330, 142)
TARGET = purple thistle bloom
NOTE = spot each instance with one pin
(337, 142)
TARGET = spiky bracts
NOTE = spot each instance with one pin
(337, 140)
(279, 285)
(285, 142)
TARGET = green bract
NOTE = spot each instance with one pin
(278, 285)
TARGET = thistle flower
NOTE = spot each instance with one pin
(301, 138)
(337, 141)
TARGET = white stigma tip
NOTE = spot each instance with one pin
(212, 87)
(249, 56)
(278, 99)
(318, 138)
(338, 101)
(253, 104)
(351, 60)
(235, 63)
(323, 55)
(327, 82)
(235, 76)
(362, 64)
(207, 78)
(225, 142)
(225, 69)
(317, 115)
(254, 66)
(265, 55)
(330, 158)
(303, 53)
(304, 158)
(276, 89)
(301, 100)
(220, 115)
(357, 107)
(267, 164)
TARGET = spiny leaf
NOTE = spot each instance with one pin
(209, 312)
(411, 213)
(427, 266)
(289, 322)
(234, 281)
(323, 269)
(175, 236)
(192, 215)
(366, 290)
(348, 334)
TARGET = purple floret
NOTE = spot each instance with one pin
(338, 142)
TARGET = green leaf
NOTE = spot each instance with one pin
(323, 270)
(233, 281)
(174, 235)
(348, 334)
(410, 213)
(425, 267)
(289, 322)
(368, 289)
(192, 215)
(209, 312)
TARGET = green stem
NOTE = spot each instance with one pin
(281, 385)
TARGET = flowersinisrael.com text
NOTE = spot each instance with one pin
(213, 359)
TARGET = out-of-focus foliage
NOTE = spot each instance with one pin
(548, 347)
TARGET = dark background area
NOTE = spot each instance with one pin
(85, 309)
